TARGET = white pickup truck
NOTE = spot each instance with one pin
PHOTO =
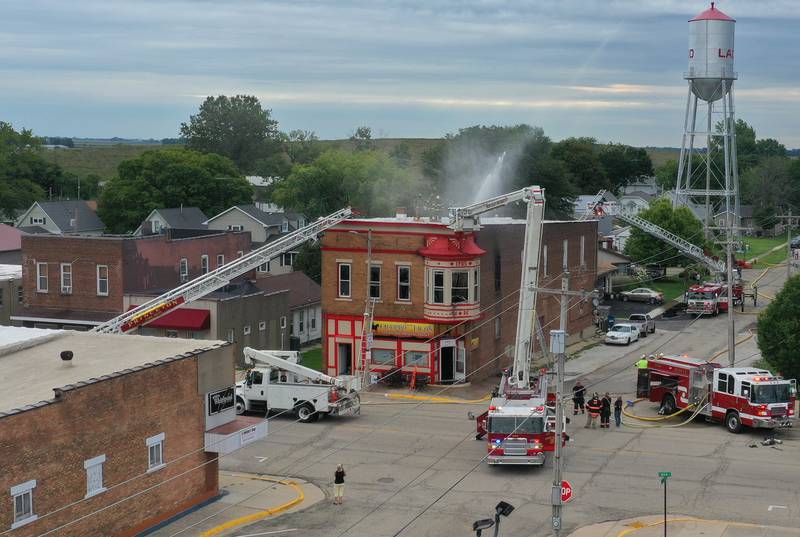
(643, 322)
(277, 382)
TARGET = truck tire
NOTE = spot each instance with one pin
(306, 413)
(624, 298)
(652, 300)
(628, 342)
(733, 422)
(644, 332)
(668, 405)
(240, 406)
(653, 330)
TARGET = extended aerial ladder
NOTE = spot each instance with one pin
(467, 219)
(287, 361)
(207, 283)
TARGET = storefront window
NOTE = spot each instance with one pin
(438, 287)
(383, 356)
(419, 358)
(460, 287)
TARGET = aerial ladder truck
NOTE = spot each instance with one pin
(222, 276)
(519, 420)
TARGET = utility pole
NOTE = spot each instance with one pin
(788, 221)
(731, 328)
(558, 348)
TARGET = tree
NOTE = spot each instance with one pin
(624, 164)
(170, 178)
(779, 330)
(235, 127)
(303, 146)
(583, 162)
(362, 138)
(369, 181)
(401, 153)
(20, 165)
(667, 174)
(679, 221)
(770, 147)
(309, 261)
(768, 183)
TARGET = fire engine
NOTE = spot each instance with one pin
(735, 396)
(520, 421)
(711, 298)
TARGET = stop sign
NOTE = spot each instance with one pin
(566, 491)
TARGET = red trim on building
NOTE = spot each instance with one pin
(405, 223)
(364, 250)
(449, 248)
(382, 232)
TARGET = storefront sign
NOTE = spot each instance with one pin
(401, 329)
(152, 313)
(220, 401)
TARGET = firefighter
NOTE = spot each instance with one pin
(642, 363)
(605, 411)
(593, 406)
(578, 398)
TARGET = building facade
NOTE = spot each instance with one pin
(62, 217)
(443, 304)
(10, 292)
(304, 293)
(118, 439)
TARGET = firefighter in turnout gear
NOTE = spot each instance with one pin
(593, 406)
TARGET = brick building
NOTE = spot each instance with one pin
(123, 436)
(444, 303)
(78, 282)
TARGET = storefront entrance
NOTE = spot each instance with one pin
(452, 367)
(345, 358)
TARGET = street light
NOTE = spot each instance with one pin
(501, 509)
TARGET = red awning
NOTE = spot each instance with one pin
(183, 319)
(461, 247)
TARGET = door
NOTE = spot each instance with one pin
(447, 359)
(254, 385)
(345, 358)
(461, 362)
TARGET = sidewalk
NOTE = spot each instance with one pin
(682, 526)
(244, 499)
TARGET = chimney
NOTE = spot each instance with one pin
(401, 213)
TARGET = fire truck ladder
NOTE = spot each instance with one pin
(220, 277)
(685, 247)
(590, 210)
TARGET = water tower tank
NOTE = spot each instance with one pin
(710, 53)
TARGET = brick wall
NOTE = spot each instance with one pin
(111, 417)
(85, 253)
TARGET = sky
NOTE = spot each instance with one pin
(611, 69)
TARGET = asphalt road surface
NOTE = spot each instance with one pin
(415, 469)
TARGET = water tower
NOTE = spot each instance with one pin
(708, 177)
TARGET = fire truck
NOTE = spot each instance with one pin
(735, 396)
(520, 422)
(711, 298)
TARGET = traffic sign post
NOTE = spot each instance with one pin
(664, 476)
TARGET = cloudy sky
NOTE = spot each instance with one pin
(416, 68)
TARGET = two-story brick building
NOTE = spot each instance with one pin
(109, 435)
(78, 282)
(444, 302)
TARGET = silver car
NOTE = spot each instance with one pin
(643, 294)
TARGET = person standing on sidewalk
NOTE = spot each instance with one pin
(578, 398)
(338, 485)
(605, 411)
(618, 411)
(593, 406)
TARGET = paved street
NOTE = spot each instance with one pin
(403, 458)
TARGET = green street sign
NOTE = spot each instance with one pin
(664, 474)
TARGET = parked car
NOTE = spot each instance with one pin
(643, 294)
(643, 321)
(623, 333)
(795, 244)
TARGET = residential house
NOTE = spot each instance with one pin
(584, 203)
(264, 228)
(10, 292)
(304, 302)
(444, 302)
(62, 218)
(160, 220)
(644, 184)
(609, 265)
(635, 202)
(10, 245)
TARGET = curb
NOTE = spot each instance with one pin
(434, 399)
(262, 514)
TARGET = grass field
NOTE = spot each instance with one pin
(759, 245)
(313, 358)
(660, 156)
(770, 259)
(102, 161)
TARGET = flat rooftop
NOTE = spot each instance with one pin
(32, 368)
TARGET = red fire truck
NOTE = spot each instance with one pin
(735, 396)
(711, 298)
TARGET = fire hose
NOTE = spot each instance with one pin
(699, 407)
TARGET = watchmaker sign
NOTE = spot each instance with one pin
(220, 401)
